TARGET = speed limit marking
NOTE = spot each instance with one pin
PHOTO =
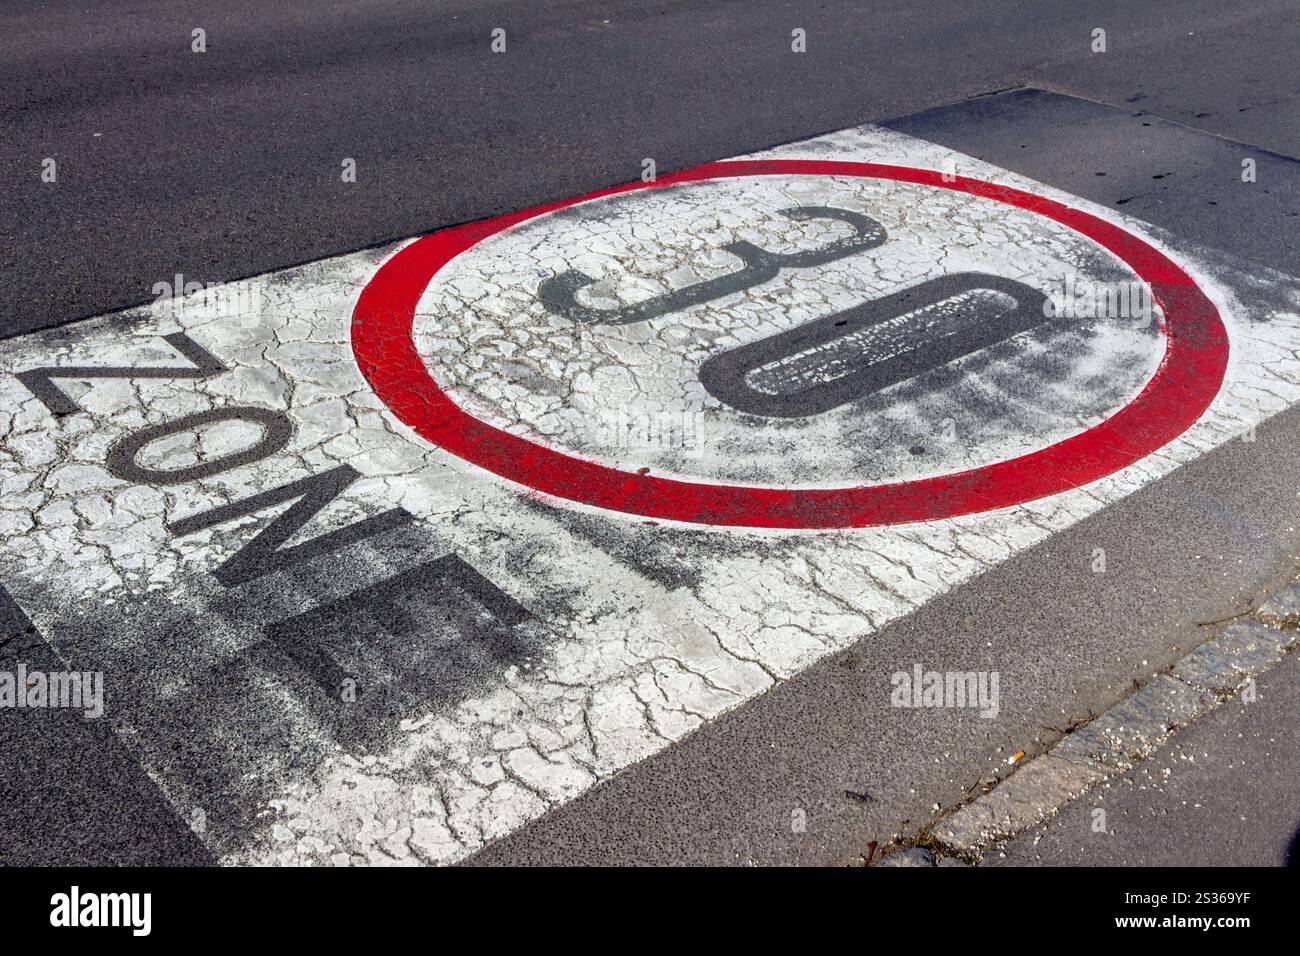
(321, 470)
(1187, 375)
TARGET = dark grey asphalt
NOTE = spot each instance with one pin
(227, 164)
(70, 792)
(1222, 793)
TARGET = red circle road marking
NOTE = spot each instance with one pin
(1188, 378)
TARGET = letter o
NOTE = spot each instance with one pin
(276, 431)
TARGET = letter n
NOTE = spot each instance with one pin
(265, 553)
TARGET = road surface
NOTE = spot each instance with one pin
(598, 688)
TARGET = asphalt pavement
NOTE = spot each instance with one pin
(1225, 786)
(227, 163)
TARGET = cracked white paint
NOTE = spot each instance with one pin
(635, 664)
(495, 348)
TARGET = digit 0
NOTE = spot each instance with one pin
(822, 365)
